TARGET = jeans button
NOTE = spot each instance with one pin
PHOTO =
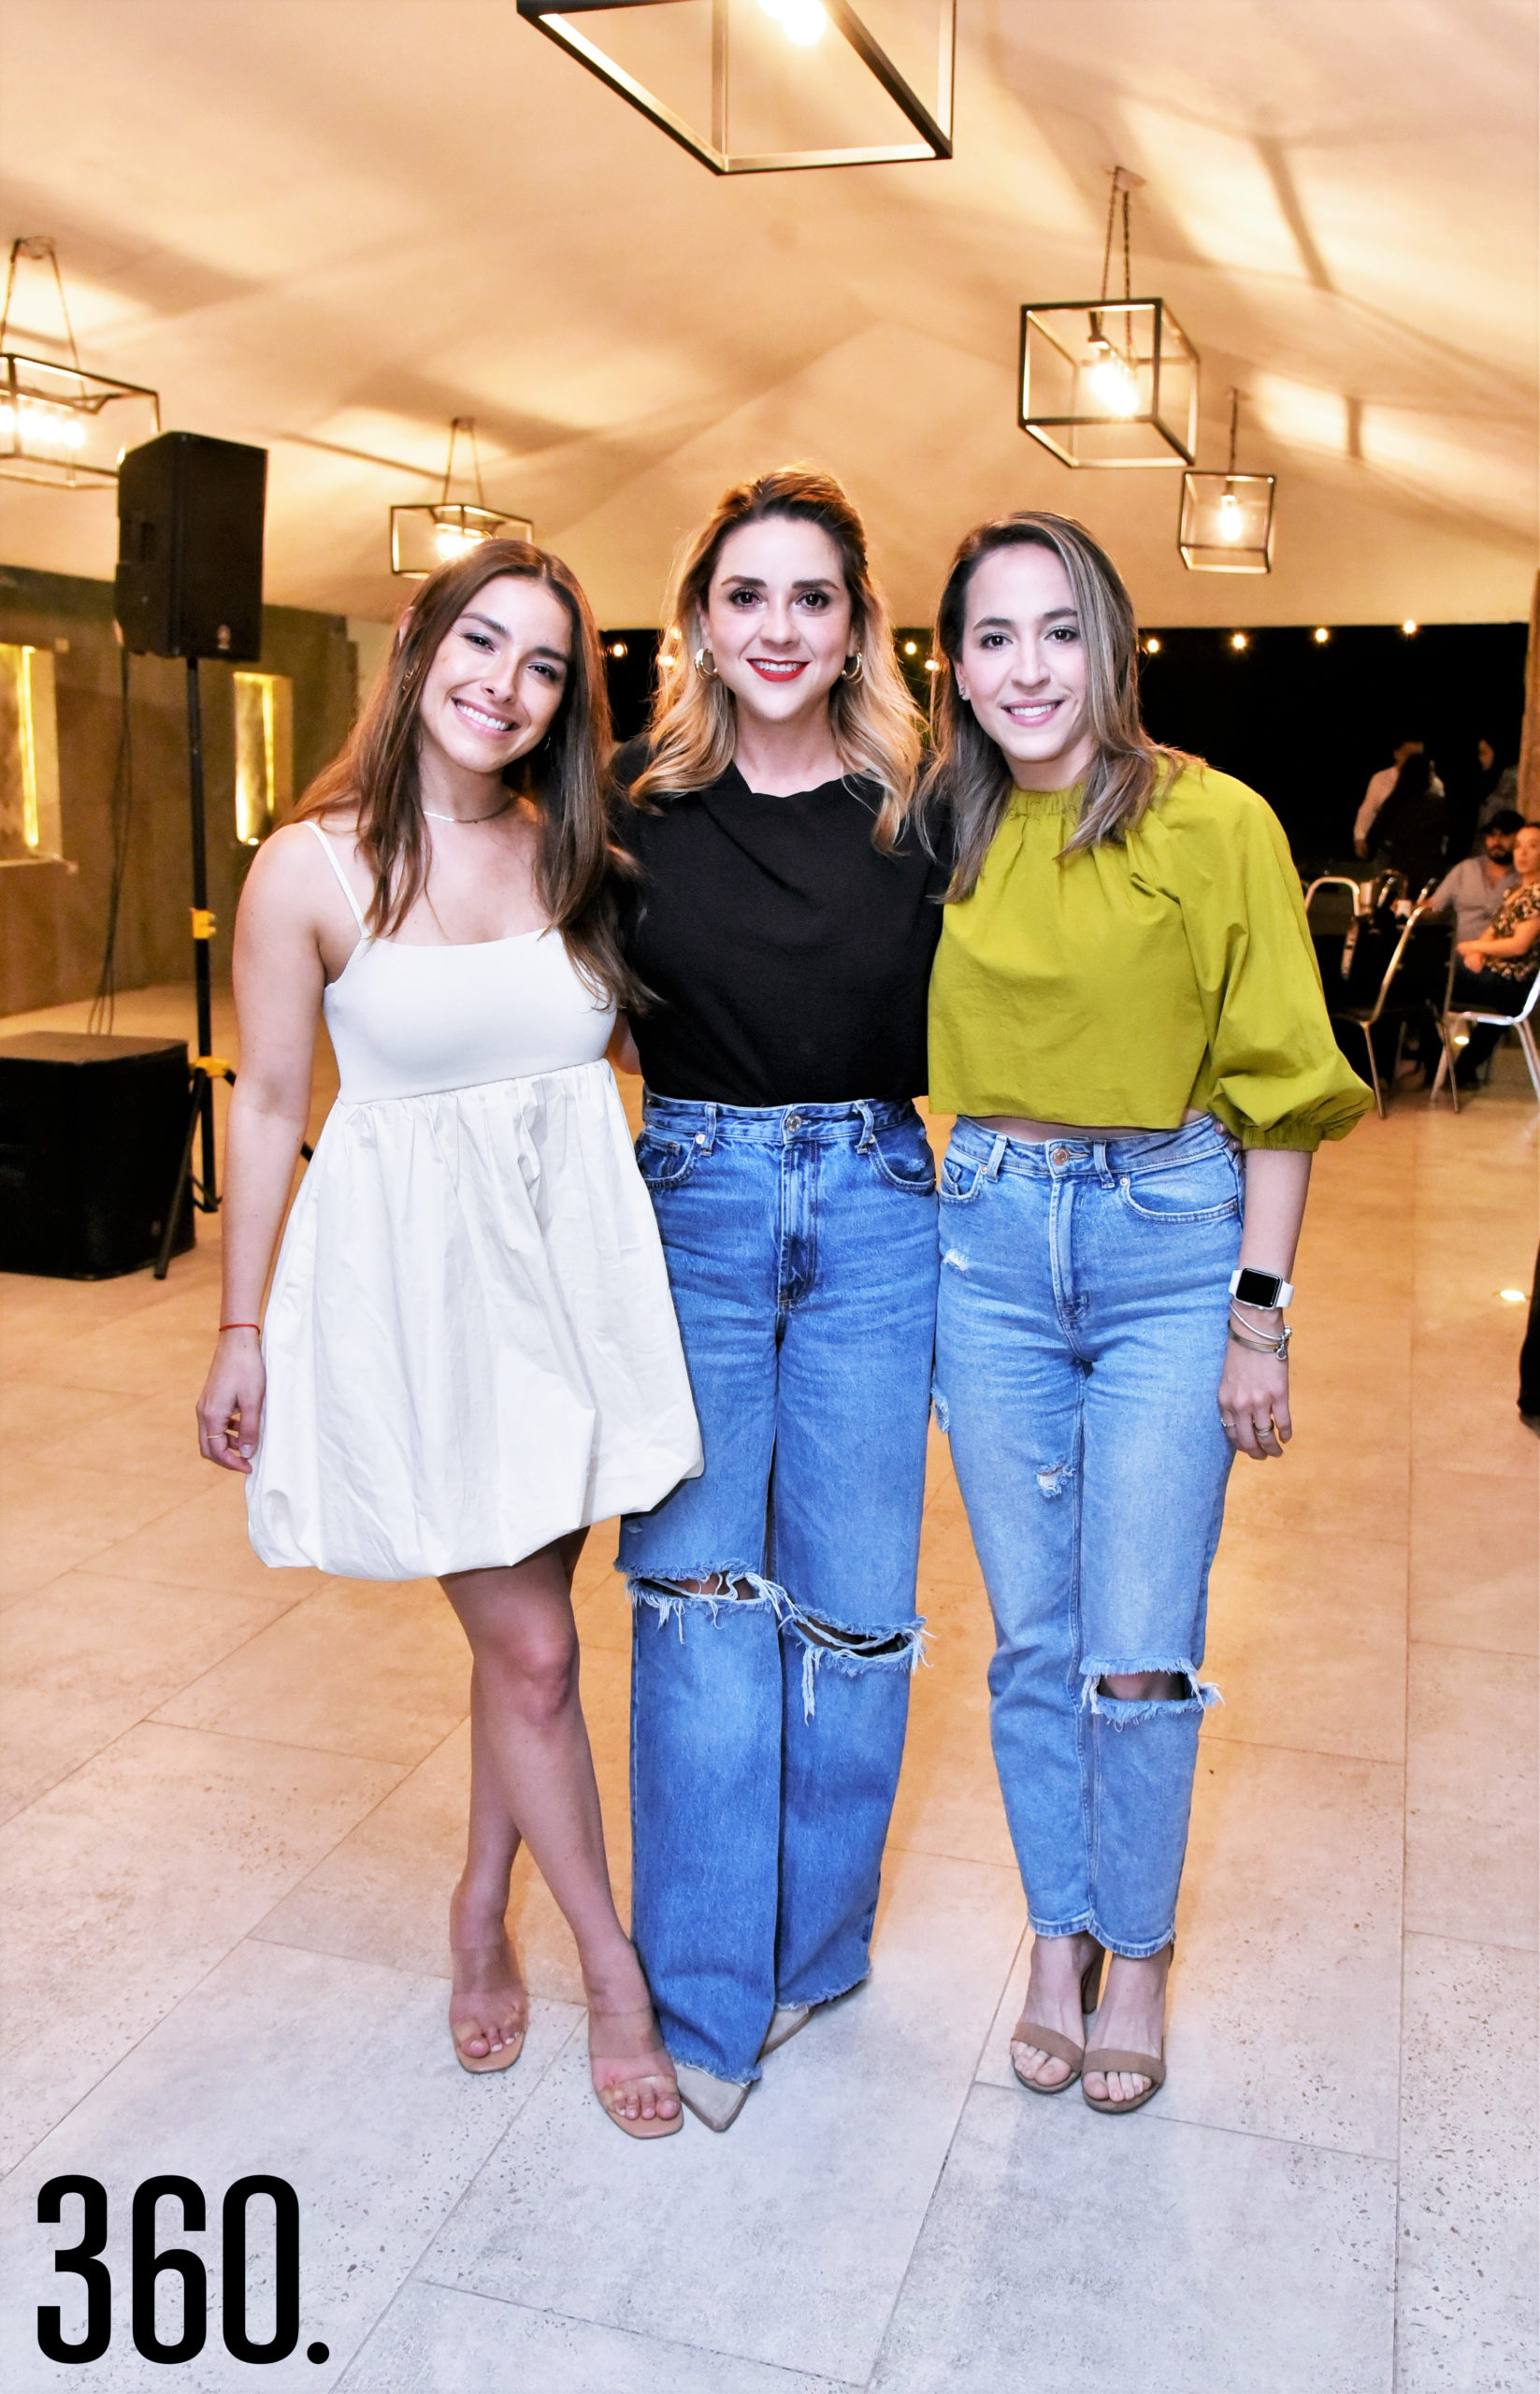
(1059, 1155)
(700, 1138)
(794, 1122)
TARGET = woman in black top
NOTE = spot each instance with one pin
(786, 930)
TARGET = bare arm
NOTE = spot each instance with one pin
(622, 1051)
(1519, 942)
(1254, 1389)
(279, 977)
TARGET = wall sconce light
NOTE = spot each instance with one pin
(1110, 382)
(58, 423)
(753, 48)
(427, 536)
(1227, 519)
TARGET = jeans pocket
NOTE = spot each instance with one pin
(1207, 1190)
(666, 1164)
(961, 1179)
(902, 1156)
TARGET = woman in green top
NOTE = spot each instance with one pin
(1127, 1017)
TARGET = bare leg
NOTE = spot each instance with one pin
(536, 1782)
(1053, 2000)
(1132, 2017)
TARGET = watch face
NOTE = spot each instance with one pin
(1257, 1287)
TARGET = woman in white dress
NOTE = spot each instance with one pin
(470, 1352)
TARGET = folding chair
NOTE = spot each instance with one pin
(1522, 1022)
(1373, 993)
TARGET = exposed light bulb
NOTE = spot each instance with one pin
(1321, 635)
(911, 648)
(618, 648)
(933, 665)
(1514, 1296)
(1152, 646)
(803, 22)
(1239, 639)
(1409, 627)
(1115, 383)
(1230, 525)
(451, 542)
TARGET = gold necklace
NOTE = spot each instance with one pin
(492, 818)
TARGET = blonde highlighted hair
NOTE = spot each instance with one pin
(968, 778)
(692, 732)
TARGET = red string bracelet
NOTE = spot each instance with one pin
(242, 1325)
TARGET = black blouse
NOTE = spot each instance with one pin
(789, 958)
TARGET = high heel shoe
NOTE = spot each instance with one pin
(629, 2024)
(1048, 2041)
(500, 2058)
(1103, 2058)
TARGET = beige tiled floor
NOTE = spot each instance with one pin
(233, 1798)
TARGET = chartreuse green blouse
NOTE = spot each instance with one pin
(1129, 983)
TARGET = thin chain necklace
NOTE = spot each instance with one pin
(492, 818)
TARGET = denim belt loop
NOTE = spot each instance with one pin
(1104, 1172)
(707, 1138)
(869, 1128)
(997, 1157)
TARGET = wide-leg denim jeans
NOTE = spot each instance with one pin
(1080, 1337)
(767, 1720)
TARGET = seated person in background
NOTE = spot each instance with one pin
(1380, 787)
(1475, 887)
(1496, 791)
(1495, 971)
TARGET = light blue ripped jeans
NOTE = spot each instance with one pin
(1080, 1337)
(767, 1718)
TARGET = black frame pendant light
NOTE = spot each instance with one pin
(1106, 381)
(434, 531)
(59, 424)
(803, 23)
(1226, 524)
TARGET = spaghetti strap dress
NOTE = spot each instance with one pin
(470, 1346)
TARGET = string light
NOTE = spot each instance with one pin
(911, 648)
(1409, 627)
(933, 665)
(1321, 635)
(1152, 646)
(618, 648)
(1239, 639)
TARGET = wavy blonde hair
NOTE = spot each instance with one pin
(693, 733)
(968, 777)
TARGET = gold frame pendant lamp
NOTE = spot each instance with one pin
(803, 23)
(1226, 523)
(433, 532)
(1110, 382)
(59, 424)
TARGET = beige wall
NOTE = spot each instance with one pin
(53, 915)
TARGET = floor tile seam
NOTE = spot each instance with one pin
(1459, 1647)
(1302, 2143)
(1218, 1736)
(1476, 1944)
(637, 2335)
(290, 1745)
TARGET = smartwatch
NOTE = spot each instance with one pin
(1265, 1288)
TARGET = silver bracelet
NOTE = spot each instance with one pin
(1259, 1343)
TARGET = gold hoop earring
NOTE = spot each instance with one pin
(858, 663)
(705, 664)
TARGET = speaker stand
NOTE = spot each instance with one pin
(207, 1068)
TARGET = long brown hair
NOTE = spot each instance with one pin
(969, 776)
(565, 775)
(694, 729)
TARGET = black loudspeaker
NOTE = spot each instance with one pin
(188, 581)
(90, 1139)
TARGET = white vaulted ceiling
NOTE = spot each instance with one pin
(329, 225)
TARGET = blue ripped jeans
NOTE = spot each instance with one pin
(767, 1718)
(1079, 1341)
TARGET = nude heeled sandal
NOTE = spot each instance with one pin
(1102, 2059)
(1048, 2041)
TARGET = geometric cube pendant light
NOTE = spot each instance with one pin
(777, 95)
(58, 423)
(1226, 523)
(425, 537)
(1110, 382)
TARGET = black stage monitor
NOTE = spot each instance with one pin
(188, 581)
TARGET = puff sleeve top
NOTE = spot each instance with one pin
(1133, 983)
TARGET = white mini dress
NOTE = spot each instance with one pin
(470, 1346)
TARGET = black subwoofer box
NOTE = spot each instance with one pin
(91, 1137)
(188, 579)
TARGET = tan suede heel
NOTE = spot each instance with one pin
(1048, 2041)
(1151, 2066)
